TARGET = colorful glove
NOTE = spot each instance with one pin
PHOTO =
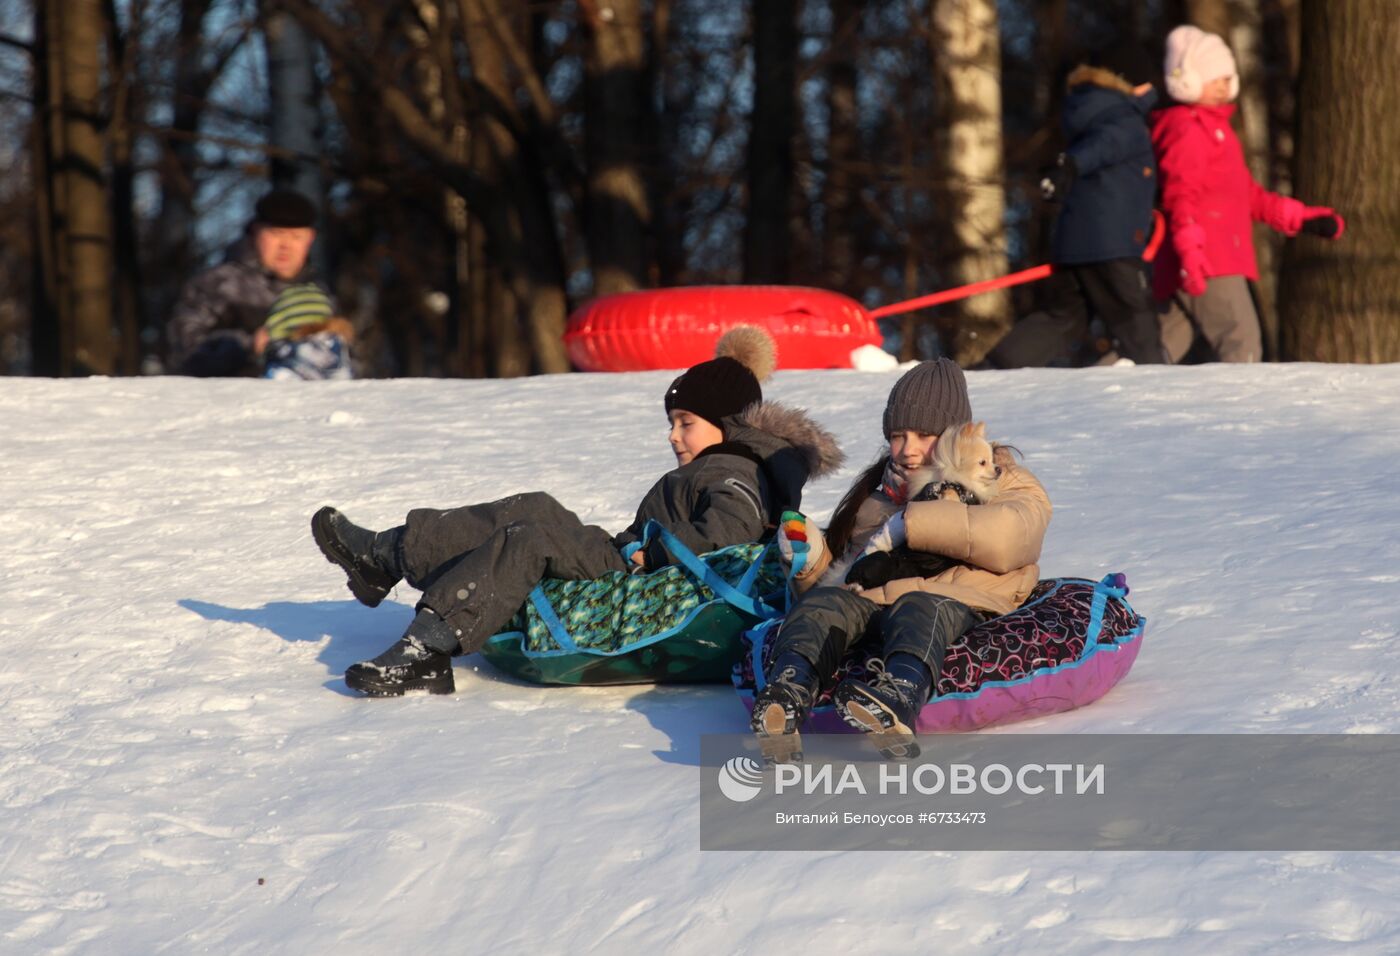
(1190, 243)
(1055, 180)
(796, 547)
(1324, 222)
(890, 536)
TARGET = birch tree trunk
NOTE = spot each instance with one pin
(967, 69)
(1341, 299)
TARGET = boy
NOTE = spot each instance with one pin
(302, 338)
(1105, 182)
(740, 463)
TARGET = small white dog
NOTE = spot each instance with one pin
(962, 468)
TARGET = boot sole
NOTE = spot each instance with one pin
(888, 735)
(370, 686)
(777, 744)
(366, 591)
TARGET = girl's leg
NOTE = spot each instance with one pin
(917, 630)
(1228, 320)
(809, 645)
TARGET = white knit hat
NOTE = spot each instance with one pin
(1195, 58)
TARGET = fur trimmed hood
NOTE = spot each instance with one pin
(792, 447)
(1098, 76)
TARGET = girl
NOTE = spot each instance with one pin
(1210, 201)
(739, 462)
(914, 619)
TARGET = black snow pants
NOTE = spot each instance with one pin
(476, 565)
(1117, 291)
(827, 622)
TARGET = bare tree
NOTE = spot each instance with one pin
(771, 130)
(74, 333)
(619, 208)
(967, 67)
(1341, 300)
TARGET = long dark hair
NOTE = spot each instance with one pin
(843, 519)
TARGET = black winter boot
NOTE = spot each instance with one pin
(887, 706)
(371, 560)
(420, 660)
(783, 706)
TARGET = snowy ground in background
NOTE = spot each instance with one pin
(183, 770)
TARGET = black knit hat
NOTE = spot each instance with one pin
(285, 209)
(714, 390)
(728, 384)
(929, 398)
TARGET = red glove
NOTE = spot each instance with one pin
(1190, 244)
(1285, 214)
(1324, 222)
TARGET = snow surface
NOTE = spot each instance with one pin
(183, 770)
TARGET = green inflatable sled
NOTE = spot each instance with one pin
(680, 624)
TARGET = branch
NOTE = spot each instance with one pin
(8, 40)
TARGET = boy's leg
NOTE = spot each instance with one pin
(1119, 294)
(917, 630)
(469, 598)
(435, 538)
(1049, 337)
(809, 645)
(479, 592)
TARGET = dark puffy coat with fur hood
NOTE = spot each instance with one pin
(1108, 211)
(734, 492)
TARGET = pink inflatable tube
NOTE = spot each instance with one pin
(1070, 643)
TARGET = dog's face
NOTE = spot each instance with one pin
(964, 456)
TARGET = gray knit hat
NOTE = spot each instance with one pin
(929, 397)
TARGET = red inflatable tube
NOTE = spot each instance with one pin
(677, 328)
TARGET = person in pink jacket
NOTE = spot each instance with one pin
(1211, 201)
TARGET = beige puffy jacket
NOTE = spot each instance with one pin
(1000, 542)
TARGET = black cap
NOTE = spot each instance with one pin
(714, 390)
(286, 209)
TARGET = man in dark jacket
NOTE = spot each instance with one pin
(212, 329)
(1105, 183)
(740, 463)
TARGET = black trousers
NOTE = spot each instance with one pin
(1117, 291)
(476, 565)
(828, 622)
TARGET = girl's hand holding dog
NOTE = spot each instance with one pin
(796, 546)
(890, 536)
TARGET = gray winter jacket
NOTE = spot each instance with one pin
(211, 330)
(734, 492)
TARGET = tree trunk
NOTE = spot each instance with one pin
(967, 69)
(295, 119)
(619, 210)
(771, 128)
(75, 218)
(1341, 300)
(842, 148)
(1212, 16)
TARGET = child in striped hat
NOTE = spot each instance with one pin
(302, 339)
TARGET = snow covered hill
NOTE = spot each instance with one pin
(182, 769)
